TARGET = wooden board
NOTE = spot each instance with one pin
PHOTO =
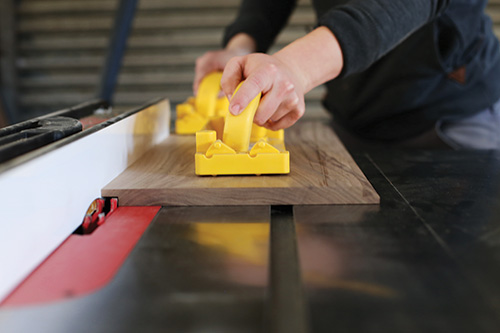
(322, 172)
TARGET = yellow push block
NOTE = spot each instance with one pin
(245, 148)
(204, 140)
(206, 100)
(262, 147)
(221, 106)
(190, 123)
(259, 132)
(237, 129)
(197, 113)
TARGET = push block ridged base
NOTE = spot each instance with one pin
(242, 164)
(214, 157)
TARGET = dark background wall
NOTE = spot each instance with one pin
(60, 47)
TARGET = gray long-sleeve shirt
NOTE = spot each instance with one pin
(407, 63)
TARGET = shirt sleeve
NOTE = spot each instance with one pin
(368, 29)
(261, 19)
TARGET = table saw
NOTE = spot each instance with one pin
(76, 258)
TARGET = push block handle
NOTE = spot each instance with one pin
(208, 93)
(237, 129)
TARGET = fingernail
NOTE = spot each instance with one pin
(236, 109)
(229, 97)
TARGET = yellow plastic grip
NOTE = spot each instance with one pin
(208, 92)
(237, 129)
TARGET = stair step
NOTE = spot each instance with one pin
(62, 44)
(209, 38)
(95, 62)
(145, 22)
(37, 7)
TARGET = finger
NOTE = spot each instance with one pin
(258, 81)
(289, 104)
(283, 123)
(271, 102)
(286, 121)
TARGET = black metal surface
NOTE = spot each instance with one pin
(194, 270)
(116, 48)
(396, 268)
(456, 197)
(425, 260)
(288, 312)
(21, 138)
(18, 139)
(79, 111)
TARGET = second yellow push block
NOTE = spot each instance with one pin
(245, 148)
(206, 110)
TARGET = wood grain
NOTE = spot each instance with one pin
(322, 172)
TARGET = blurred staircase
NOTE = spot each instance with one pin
(62, 44)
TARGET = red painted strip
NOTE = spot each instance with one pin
(83, 264)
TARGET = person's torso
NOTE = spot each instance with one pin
(448, 68)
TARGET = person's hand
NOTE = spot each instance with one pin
(282, 102)
(282, 78)
(212, 61)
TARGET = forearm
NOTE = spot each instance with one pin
(315, 58)
(242, 43)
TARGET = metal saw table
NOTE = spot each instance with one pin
(426, 259)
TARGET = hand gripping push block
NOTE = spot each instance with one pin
(245, 148)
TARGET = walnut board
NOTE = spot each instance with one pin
(322, 172)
